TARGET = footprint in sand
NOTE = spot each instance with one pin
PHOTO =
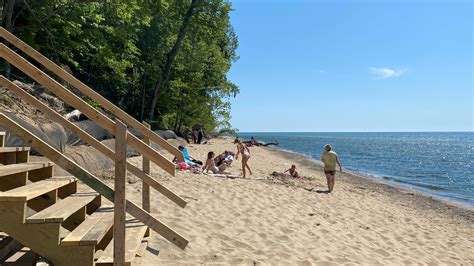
(283, 238)
(286, 230)
(382, 252)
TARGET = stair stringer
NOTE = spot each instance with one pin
(42, 238)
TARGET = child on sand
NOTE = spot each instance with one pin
(293, 172)
(211, 166)
(229, 157)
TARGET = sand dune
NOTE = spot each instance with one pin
(277, 220)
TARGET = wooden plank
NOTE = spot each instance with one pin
(42, 202)
(57, 157)
(12, 169)
(44, 238)
(13, 149)
(25, 256)
(75, 219)
(12, 87)
(91, 231)
(41, 174)
(146, 170)
(75, 101)
(150, 153)
(88, 139)
(64, 75)
(91, 181)
(8, 245)
(2, 139)
(135, 232)
(156, 225)
(13, 181)
(119, 196)
(36, 189)
(11, 155)
(157, 186)
(60, 211)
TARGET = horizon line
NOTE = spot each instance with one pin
(434, 131)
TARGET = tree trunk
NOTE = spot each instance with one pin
(142, 113)
(7, 24)
(163, 78)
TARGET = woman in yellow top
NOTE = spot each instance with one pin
(330, 160)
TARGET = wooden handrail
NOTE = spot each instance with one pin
(146, 178)
(92, 181)
(83, 88)
(73, 100)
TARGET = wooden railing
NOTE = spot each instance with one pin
(107, 105)
(90, 180)
(124, 137)
(144, 175)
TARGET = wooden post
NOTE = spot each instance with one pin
(25, 96)
(93, 182)
(2, 139)
(64, 75)
(146, 170)
(119, 196)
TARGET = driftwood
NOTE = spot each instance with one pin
(74, 115)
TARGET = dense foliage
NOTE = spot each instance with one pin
(121, 49)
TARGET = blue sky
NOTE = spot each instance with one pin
(353, 65)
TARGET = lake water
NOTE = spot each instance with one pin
(440, 164)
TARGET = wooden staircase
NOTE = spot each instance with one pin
(44, 217)
(45, 213)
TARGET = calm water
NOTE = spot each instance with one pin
(440, 164)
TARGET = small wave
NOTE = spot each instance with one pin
(428, 186)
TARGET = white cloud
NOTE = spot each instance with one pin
(321, 71)
(385, 72)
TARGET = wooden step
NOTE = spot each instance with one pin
(2, 138)
(13, 155)
(12, 169)
(92, 230)
(13, 149)
(36, 189)
(134, 234)
(63, 209)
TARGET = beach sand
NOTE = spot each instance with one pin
(267, 219)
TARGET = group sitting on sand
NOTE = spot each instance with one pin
(218, 164)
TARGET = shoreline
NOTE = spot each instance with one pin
(272, 218)
(367, 176)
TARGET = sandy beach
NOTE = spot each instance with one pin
(268, 219)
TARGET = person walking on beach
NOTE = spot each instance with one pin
(245, 152)
(330, 160)
(200, 135)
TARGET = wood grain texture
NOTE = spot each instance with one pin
(119, 196)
